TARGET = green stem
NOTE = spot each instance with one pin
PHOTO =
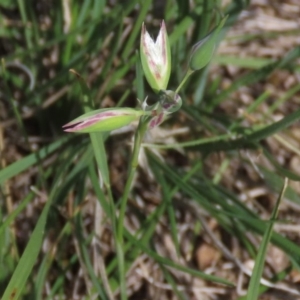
(187, 75)
(139, 134)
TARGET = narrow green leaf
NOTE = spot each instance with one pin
(253, 289)
(5, 224)
(28, 161)
(28, 259)
(167, 197)
(167, 262)
(248, 140)
(129, 47)
(256, 75)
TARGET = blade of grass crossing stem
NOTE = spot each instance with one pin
(137, 28)
(253, 289)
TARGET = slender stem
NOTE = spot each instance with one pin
(142, 127)
(187, 75)
(139, 134)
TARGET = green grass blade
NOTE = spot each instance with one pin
(140, 89)
(206, 199)
(169, 263)
(28, 258)
(167, 197)
(256, 75)
(28, 161)
(247, 141)
(99, 192)
(100, 155)
(129, 47)
(242, 62)
(5, 224)
(88, 267)
(253, 289)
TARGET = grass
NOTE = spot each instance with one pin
(210, 177)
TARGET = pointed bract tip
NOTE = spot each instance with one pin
(156, 58)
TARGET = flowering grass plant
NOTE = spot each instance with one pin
(156, 63)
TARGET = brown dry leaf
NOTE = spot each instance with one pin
(295, 276)
(206, 256)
